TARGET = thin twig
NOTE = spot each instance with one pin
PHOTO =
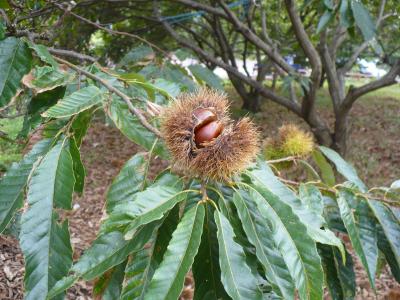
(203, 191)
(124, 97)
(111, 31)
(274, 161)
(70, 53)
(334, 190)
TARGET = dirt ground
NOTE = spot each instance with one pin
(105, 150)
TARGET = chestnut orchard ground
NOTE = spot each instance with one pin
(374, 144)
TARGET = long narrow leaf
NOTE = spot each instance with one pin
(296, 246)
(206, 270)
(15, 62)
(168, 280)
(45, 243)
(140, 269)
(390, 226)
(107, 251)
(263, 176)
(259, 234)
(362, 236)
(340, 278)
(236, 275)
(132, 128)
(143, 208)
(75, 103)
(109, 285)
(343, 167)
(128, 182)
(13, 183)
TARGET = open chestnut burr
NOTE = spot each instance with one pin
(207, 126)
(202, 138)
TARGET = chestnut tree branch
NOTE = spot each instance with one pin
(138, 113)
(111, 31)
(294, 107)
(388, 79)
(73, 54)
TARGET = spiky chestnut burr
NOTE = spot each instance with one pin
(203, 140)
(290, 141)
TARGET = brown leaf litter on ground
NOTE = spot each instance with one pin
(104, 151)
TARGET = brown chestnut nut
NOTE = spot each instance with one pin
(208, 132)
(202, 117)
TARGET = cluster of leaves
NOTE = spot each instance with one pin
(252, 238)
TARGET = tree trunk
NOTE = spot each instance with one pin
(252, 102)
(341, 135)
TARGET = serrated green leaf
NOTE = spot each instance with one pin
(128, 182)
(141, 268)
(81, 124)
(46, 78)
(136, 56)
(43, 53)
(363, 20)
(79, 168)
(236, 275)
(326, 170)
(264, 177)
(206, 270)
(109, 285)
(259, 234)
(171, 89)
(38, 104)
(107, 251)
(229, 210)
(295, 245)
(138, 274)
(13, 183)
(332, 215)
(361, 233)
(75, 103)
(203, 74)
(390, 226)
(311, 197)
(343, 167)
(170, 72)
(61, 286)
(143, 207)
(390, 257)
(15, 62)
(340, 278)
(45, 243)
(168, 279)
(132, 128)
